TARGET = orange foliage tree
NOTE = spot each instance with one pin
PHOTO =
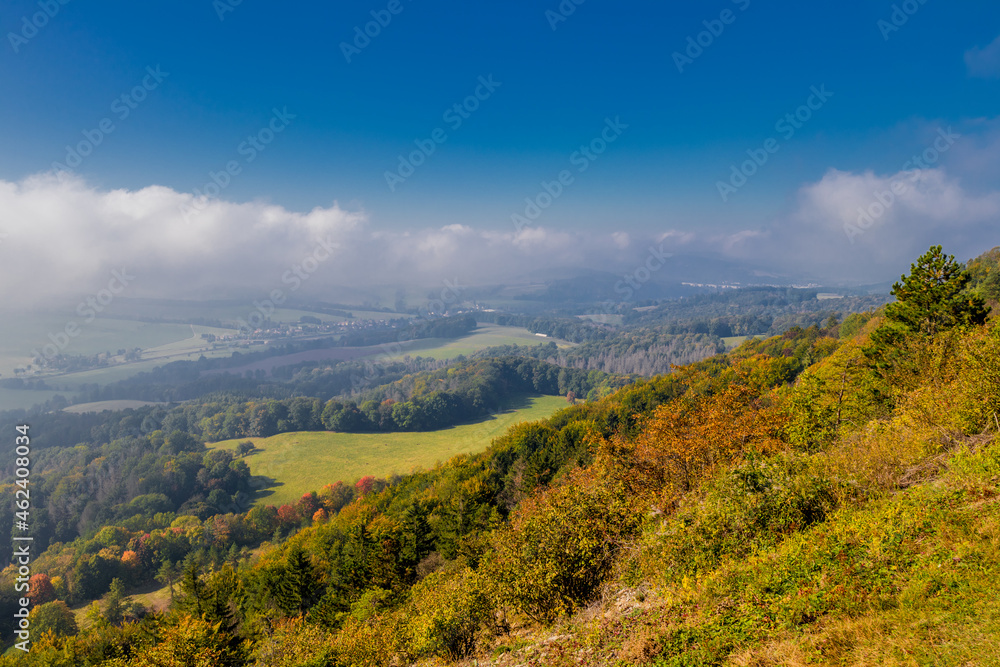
(686, 440)
(41, 589)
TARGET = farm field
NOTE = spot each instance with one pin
(434, 348)
(101, 406)
(230, 310)
(303, 462)
(121, 328)
(486, 335)
(22, 399)
(20, 335)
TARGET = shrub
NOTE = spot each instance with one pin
(977, 470)
(557, 550)
(751, 507)
(448, 610)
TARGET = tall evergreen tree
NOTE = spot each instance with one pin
(933, 297)
(297, 590)
(193, 594)
(418, 538)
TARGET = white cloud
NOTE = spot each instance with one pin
(857, 227)
(621, 239)
(65, 237)
(984, 63)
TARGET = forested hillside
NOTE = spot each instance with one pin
(825, 496)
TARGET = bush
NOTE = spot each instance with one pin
(557, 550)
(979, 381)
(448, 610)
(977, 470)
(749, 508)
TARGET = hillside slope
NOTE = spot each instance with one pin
(811, 498)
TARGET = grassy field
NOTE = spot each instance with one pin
(102, 406)
(734, 341)
(486, 335)
(302, 462)
(20, 335)
(151, 597)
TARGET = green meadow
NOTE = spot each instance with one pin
(486, 335)
(301, 462)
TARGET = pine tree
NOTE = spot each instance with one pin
(298, 586)
(418, 539)
(167, 574)
(193, 594)
(933, 297)
(116, 603)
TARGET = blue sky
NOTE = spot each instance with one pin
(228, 70)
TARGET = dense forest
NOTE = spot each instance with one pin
(423, 401)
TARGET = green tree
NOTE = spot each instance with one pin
(194, 596)
(933, 297)
(168, 574)
(53, 616)
(119, 607)
(298, 588)
(245, 448)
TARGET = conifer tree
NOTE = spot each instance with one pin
(297, 587)
(193, 593)
(933, 297)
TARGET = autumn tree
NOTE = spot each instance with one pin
(688, 439)
(41, 589)
(192, 641)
